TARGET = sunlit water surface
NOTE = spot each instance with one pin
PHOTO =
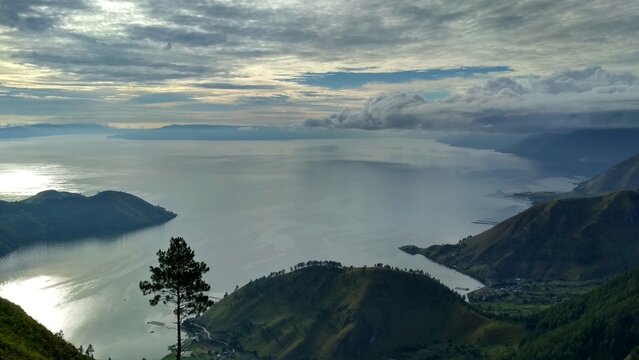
(247, 208)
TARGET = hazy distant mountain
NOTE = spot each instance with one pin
(227, 132)
(568, 239)
(599, 325)
(587, 152)
(482, 140)
(592, 151)
(22, 338)
(25, 131)
(622, 176)
(325, 312)
(53, 215)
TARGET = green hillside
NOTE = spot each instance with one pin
(53, 216)
(566, 239)
(22, 338)
(330, 312)
(603, 324)
(623, 176)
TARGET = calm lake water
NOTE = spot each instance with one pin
(247, 208)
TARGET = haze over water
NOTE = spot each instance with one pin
(247, 209)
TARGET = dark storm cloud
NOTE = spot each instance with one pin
(227, 35)
(570, 99)
(91, 59)
(304, 29)
(159, 98)
(178, 36)
(36, 15)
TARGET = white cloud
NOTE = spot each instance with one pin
(247, 47)
(590, 97)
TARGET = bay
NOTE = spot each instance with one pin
(247, 208)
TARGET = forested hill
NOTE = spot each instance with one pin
(331, 312)
(566, 239)
(603, 324)
(22, 338)
(55, 216)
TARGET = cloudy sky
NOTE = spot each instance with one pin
(492, 65)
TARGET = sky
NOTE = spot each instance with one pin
(483, 65)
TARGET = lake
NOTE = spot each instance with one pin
(247, 208)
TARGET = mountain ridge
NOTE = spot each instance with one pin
(331, 312)
(622, 176)
(564, 239)
(56, 216)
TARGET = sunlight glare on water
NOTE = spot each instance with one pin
(20, 181)
(39, 297)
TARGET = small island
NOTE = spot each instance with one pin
(52, 216)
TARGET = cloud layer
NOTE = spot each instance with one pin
(570, 99)
(319, 55)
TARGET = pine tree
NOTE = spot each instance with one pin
(177, 282)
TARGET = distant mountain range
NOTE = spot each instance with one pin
(180, 132)
(228, 132)
(22, 338)
(331, 312)
(565, 239)
(586, 151)
(598, 147)
(37, 130)
(622, 176)
(55, 216)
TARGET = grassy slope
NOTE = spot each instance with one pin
(53, 215)
(567, 239)
(22, 338)
(334, 313)
(623, 176)
(603, 324)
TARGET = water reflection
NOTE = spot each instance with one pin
(22, 180)
(39, 296)
(247, 209)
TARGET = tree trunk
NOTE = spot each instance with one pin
(179, 323)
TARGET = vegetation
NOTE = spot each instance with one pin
(323, 310)
(567, 239)
(22, 338)
(178, 282)
(516, 300)
(603, 324)
(56, 216)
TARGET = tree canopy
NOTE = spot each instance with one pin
(177, 282)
